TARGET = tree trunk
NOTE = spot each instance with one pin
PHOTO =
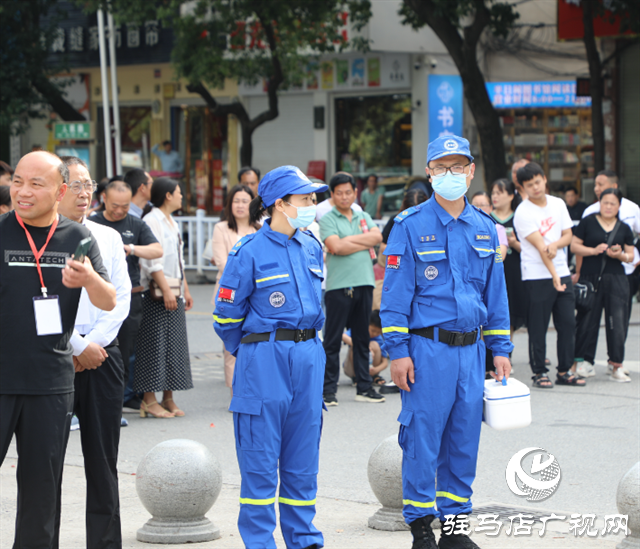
(246, 149)
(596, 84)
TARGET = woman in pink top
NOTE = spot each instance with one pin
(225, 236)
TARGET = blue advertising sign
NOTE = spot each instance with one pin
(445, 105)
(511, 95)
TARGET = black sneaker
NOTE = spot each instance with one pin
(423, 537)
(455, 541)
(389, 388)
(330, 399)
(369, 395)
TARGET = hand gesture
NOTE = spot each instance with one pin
(76, 274)
(188, 300)
(92, 357)
(600, 249)
(552, 250)
(503, 368)
(170, 301)
(401, 371)
(558, 285)
(615, 251)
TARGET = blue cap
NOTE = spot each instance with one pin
(286, 180)
(446, 145)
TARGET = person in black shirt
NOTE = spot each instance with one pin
(590, 241)
(139, 242)
(37, 371)
(575, 206)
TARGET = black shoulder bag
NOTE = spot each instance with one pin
(585, 292)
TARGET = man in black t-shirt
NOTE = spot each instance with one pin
(36, 365)
(139, 242)
(574, 205)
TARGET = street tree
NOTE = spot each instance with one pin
(629, 13)
(460, 24)
(28, 29)
(268, 42)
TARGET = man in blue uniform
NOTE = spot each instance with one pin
(268, 314)
(444, 288)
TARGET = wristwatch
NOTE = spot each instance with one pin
(132, 248)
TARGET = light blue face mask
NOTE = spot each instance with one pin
(450, 186)
(306, 216)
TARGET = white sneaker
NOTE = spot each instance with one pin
(584, 369)
(619, 376)
(610, 369)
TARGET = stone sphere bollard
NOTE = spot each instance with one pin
(628, 501)
(178, 481)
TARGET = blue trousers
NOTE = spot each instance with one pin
(440, 428)
(277, 405)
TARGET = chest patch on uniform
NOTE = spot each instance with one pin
(393, 262)
(428, 238)
(431, 272)
(227, 295)
(483, 237)
(277, 299)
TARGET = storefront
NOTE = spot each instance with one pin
(546, 123)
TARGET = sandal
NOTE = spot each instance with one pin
(569, 378)
(378, 380)
(542, 381)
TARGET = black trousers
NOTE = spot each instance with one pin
(545, 300)
(41, 424)
(98, 405)
(347, 312)
(129, 332)
(613, 297)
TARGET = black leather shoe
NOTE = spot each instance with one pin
(423, 537)
(455, 541)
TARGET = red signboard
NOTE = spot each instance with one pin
(570, 25)
(317, 169)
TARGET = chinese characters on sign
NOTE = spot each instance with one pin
(445, 105)
(73, 39)
(72, 130)
(521, 524)
(509, 95)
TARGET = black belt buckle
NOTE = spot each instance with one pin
(300, 335)
(456, 339)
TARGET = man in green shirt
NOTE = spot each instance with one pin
(372, 197)
(348, 236)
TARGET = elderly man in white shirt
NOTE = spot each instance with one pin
(99, 380)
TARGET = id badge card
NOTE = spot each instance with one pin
(48, 317)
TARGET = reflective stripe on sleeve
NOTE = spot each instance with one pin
(226, 320)
(272, 278)
(297, 502)
(249, 501)
(496, 332)
(424, 505)
(451, 496)
(484, 250)
(431, 252)
(395, 329)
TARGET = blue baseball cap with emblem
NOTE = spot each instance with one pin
(286, 180)
(446, 145)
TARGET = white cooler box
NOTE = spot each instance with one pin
(506, 406)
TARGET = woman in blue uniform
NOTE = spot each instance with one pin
(268, 315)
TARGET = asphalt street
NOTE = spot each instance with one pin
(592, 431)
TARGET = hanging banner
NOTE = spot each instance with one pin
(218, 200)
(445, 105)
(201, 185)
(555, 93)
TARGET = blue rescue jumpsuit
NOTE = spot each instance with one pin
(272, 282)
(447, 274)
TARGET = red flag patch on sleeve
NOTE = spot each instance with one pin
(393, 262)
(227, 295)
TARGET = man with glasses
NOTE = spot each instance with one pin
(348, 236)
(139, 242)
(443, 289)
(99, 379)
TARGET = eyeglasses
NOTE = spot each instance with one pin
(440, 171)
(88, 185)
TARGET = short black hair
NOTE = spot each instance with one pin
(481, 193)
(528, 172)
(374, 319)
(614, 191)
(247, 169)
(571, 189)
(135, 178)
(372, 175)
(117, 177)
(341, 178)
(5, 168)
(117, 185)
(610, 175)
(166, 142)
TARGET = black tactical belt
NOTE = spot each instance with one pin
(455, 339)
(281, 335)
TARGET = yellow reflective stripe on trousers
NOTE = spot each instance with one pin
(271, 278)
(418, 503)
(451, 496)
(226, 320)
(395, 329)
(297, 502)
(496, 332)
(431, 252)
(249, 501)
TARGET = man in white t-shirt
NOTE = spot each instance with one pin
(544, 227)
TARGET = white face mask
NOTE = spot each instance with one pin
(306, 216)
